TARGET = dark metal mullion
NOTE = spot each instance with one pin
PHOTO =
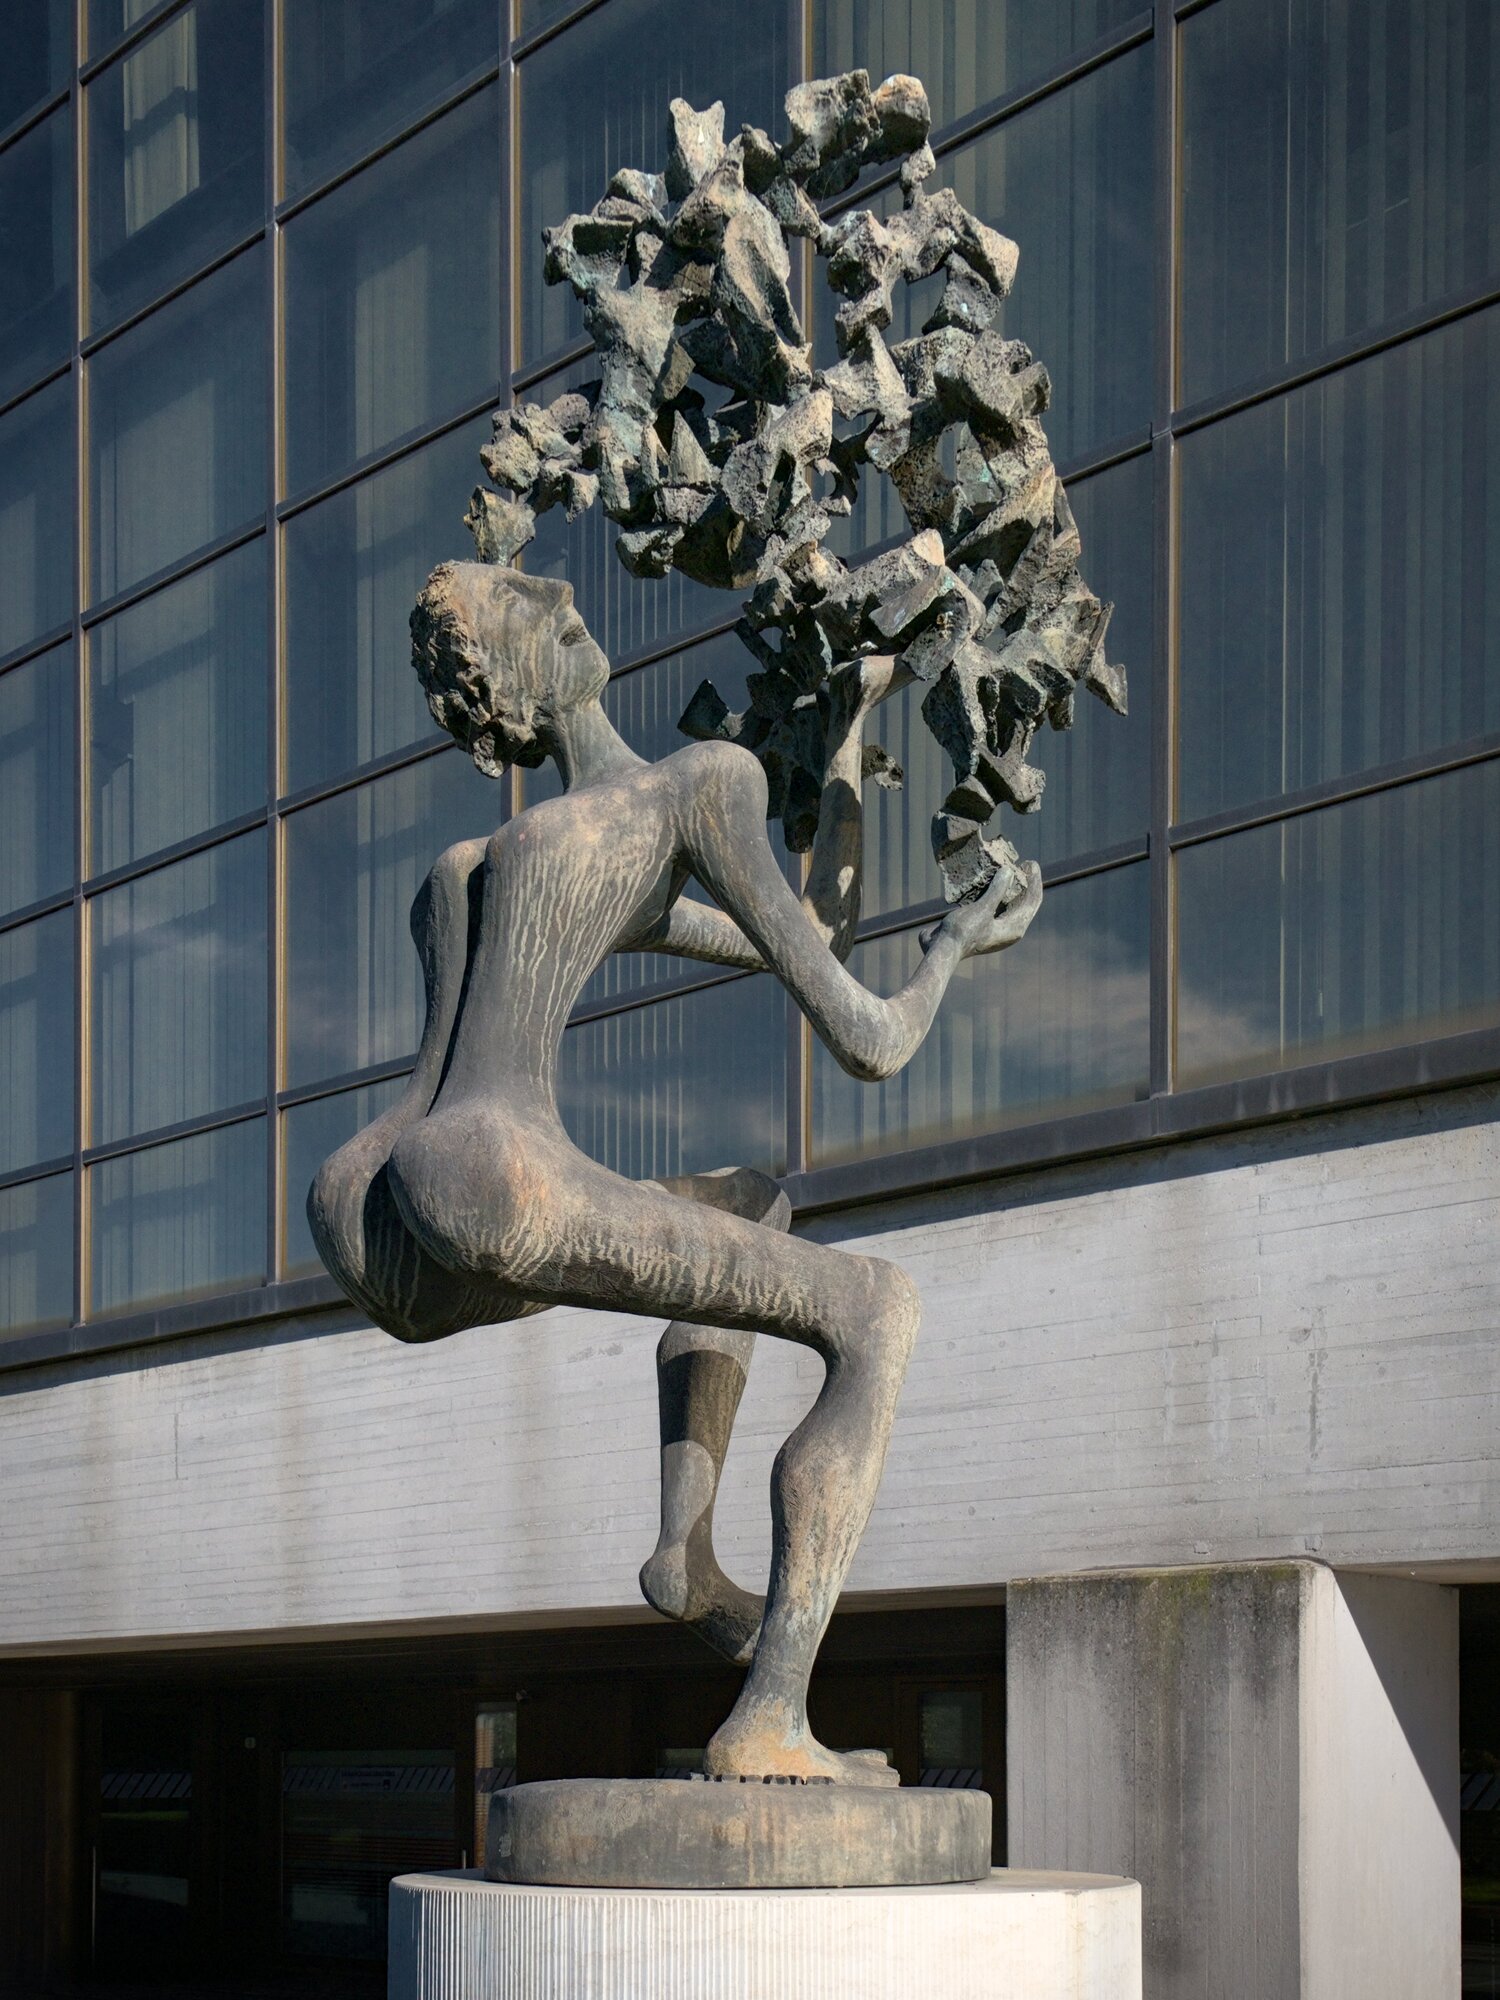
(44, 381)
(183, 1128)
(35, 648)
(511, 796)
(119, 328)
(41, 1170)
(1055, 875)
(39, 113)
(551, 364)
(160, 579)
(647, 996)
(275, 414)
(44, 906)
(659, 650)
(335, 1086)
(1330, 361)
(387, 454)
(1335, 792)
(527, 46)
(180, 850)
(962, 132)
(82, 525)
(1161, 942)
(467, 87)
(377, 767)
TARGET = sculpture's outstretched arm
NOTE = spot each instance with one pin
(694, 930)
(724, 810)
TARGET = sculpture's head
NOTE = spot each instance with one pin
(502, 655)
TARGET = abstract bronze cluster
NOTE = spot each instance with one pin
(722, 452)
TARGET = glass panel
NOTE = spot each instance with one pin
(177, 421)
(967, 52)
(1341, 167)
(355, 71)
(36, 516)
(185, 666)
(179, 1221)
(36, 1255)
(494, 1765)
(36, 779)
(350, 1820)
(1341, 573)
(1098, 772)
(36, 244)
(1359, 927)
(1058, 1025)
(176, 153)
(354, 564)
(309, 1133)
(689, 1083)
(38, 55)
(534, 15)
(354, 864)
(626, 62)
(36, 1042)
(178, 963)
(951, 1733)
(145, 1858)
(392, 296)
(1070, 180)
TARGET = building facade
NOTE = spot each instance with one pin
(1201, 1184)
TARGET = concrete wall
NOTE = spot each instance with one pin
(1279, 1344)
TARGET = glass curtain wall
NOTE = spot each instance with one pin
(1259, 253)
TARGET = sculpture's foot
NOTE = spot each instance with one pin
(755, 1748)
(699, 1594)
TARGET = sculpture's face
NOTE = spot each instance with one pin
(502, 656)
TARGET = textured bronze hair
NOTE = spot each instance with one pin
(476, 630)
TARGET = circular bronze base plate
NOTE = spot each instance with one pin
(667, 1833)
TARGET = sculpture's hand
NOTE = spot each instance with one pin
(999, 916)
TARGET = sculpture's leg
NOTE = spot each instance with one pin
(701, 1374)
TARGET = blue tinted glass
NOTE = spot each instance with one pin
(177, 428)
(353, 564)
(187, 665)
(392, 296)
(36, 779)
(1058, 1025)
(179, 1221)
(38, 55)
(36, 1255)
(309, 1133)
(1359, 927)
(36, 516)
(354, 71)
(178, 965)
(36, 252)
(176, 153)
(36, 1042)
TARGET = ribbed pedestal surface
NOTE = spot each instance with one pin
(1017, 1936)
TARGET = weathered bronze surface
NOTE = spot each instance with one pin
(467, 1203)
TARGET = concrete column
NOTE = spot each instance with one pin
(1270, 1750)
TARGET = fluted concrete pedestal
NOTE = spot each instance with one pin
(1016, 1936)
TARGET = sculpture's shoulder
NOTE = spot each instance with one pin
(714, 767)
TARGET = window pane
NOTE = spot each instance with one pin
(36, 248)
(354, 71)
(36, 516)
(38, 55)
(967, 52)
(951, 1733)
(185, 666)
(354, 563)
(36, 1042)
(177, 419)
(36, 1255)
(1098, 772)
(392, 290)
(1058, 1025)
(354, 864)
(179, 1221)
(176, 153)
(1359, 927)
(1341, 573)
(36, 779)
(1341, 166)
(626, 62)
(682, 1085)
(309, 1133)
(534, 15)
(179, 977)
